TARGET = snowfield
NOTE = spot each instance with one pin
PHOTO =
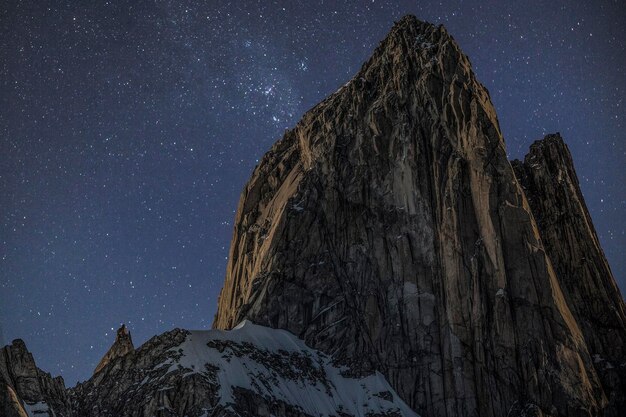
(276, 365)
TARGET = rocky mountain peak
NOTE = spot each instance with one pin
(18, 345)
(551, 186)
(123, 333)
(389, 229)
(408, 66)
(122, 346)
(26, 390)
(248, 371)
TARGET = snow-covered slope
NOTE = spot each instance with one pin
(248, 371)
(275, 364)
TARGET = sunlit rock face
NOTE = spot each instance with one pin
(389, 230)
(123, 345)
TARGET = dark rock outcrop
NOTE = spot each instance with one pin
(389, 230)
(122, 346)
(25, 389)
(550, 183)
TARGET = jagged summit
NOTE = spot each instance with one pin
(123, 345)
(18, 345)
(413, 51)
(123, 333)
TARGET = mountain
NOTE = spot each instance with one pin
(389, 230)
(569, 238)
(394, 263)
(122, 346)
(248, 371)
(27, 391)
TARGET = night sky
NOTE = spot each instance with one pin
(128, 129)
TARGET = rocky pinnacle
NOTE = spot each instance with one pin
(550, 183)
(122, 346)
(389, 230)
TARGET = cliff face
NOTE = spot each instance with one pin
(389, 230)
(26, 390)
(549, 180)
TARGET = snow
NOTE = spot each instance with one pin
(39, 409)
(421, 42)
(600, 360)
(270, 362)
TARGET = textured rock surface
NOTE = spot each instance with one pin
(250, 371)
(389, 230)
(551, 186)
(25, 390)
(123, 345)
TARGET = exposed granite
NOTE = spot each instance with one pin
(389, 230)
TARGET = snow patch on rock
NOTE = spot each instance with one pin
(38, 409)
(276, 365)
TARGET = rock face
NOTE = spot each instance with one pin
(389, 230)
(551, 186)
(123, 345)
(249, 371)
(27, 391)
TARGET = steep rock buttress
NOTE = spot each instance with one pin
(389, 230)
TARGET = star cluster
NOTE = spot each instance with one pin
(128, 129)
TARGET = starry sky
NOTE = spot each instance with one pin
(128, 129)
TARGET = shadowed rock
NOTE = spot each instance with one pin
(567, 233)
